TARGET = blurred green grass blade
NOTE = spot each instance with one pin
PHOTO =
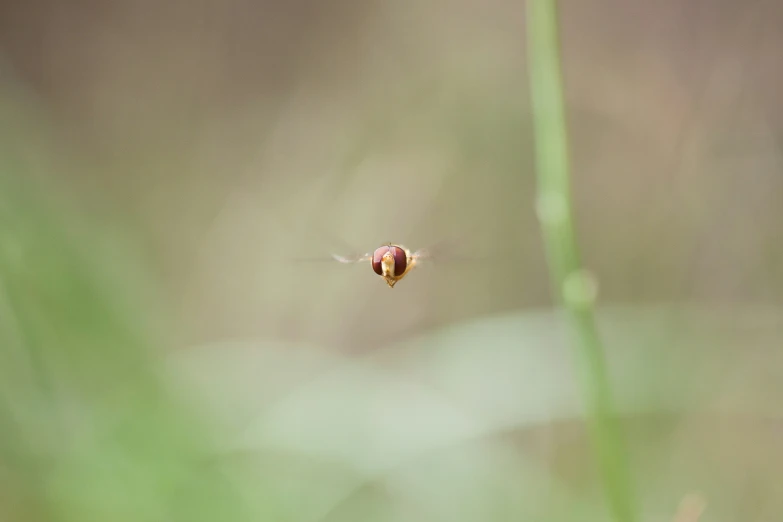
(90, 428)
(572, 285)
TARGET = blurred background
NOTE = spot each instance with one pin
(178, 345)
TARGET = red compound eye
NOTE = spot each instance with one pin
(400, 259)
(376, 259)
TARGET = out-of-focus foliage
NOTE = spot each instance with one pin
(89, 427)
(446, 422)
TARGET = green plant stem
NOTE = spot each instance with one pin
(573, 286)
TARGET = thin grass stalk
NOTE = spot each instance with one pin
(574, 287)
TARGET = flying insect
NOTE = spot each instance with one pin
(390, 261)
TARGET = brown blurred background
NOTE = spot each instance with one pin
(229, 138)
(235, 145)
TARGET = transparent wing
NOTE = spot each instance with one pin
(351, 259)
(331, 258)
(454, 250)
(327, 236)
(443, 251)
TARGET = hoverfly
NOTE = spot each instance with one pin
(390, 261)
(393, 261)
